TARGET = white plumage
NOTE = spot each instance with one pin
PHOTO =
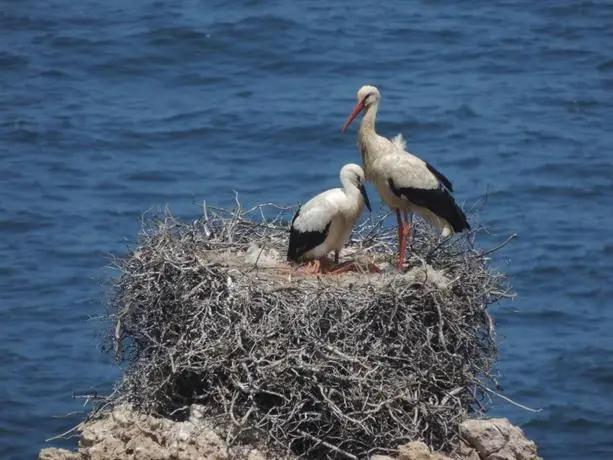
(405, 182)
(324, 223)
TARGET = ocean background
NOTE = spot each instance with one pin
(111, 108)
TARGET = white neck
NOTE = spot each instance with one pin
(367, 125)
(355, 200)
(368, 139)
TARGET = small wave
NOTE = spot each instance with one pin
(136, 65)
(569, 191)
(261, 25)
(608, 250)
(25, 22)
(178, 134)
(533, 137)
(71, 43)
(197, 79)
(244, 94)
(583, 105)
(497, 65)
(541, 272)
(414, 126)
(444, 36)
(56, 198)
(558, 9)
(351, 67)
(468, 162)
(605, 66)
(152, 176)
(23, 223)
(601, 374)
(581, 293)
(563, 53)
(31, 135)
(106, 185)
(573, 423)
(11, 61)
(62, 167)
(570, 169)
(175, 34)
(462, 112)
(54, 73)
(549, 316)
(184, 116)
(150, 197)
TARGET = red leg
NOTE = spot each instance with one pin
(401, 242)
(402, 252)
(408, 229)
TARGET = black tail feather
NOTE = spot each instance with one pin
(302, 242)
(438, 200)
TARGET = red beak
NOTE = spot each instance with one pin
(354, 113)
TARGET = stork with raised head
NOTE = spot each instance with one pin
(324, 223)
(405, 182)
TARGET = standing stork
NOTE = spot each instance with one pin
(324, 222)
(405, 182)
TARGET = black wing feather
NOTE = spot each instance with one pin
(438, 200)
(302, 242)
(446, 182)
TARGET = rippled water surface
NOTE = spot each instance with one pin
(109, 108)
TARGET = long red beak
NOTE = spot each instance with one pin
(354, 113)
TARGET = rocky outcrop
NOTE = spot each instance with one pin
(413, 451)
(497, 439)
(124, 434)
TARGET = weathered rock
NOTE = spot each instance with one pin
(418, 451)
(498, 439)
(483, 435)
(125, 434)
(255, 454)
(51, 453)
(465, 452)
(381, 457)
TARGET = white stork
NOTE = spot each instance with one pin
(405, 182)
(324, 222)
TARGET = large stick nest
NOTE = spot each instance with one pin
(328, 366)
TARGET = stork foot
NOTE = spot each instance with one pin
(311, 267)
(400, 265)
(343, 268)
(315, 267)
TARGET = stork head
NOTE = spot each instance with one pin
(367, 96)
(354, 174)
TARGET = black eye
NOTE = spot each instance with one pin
(367, 98)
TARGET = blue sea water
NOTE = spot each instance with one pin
(110, 108)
